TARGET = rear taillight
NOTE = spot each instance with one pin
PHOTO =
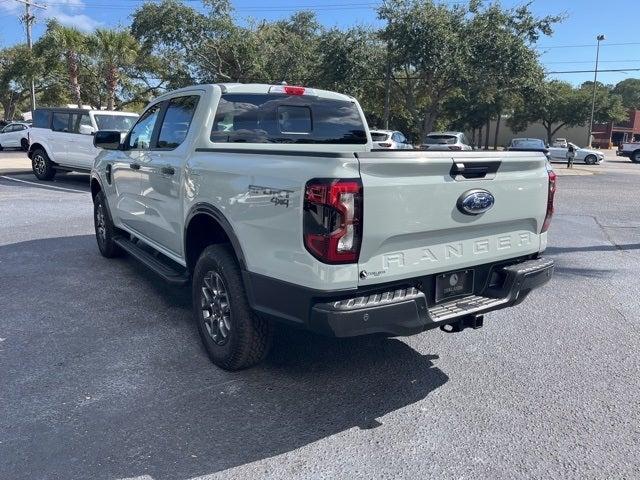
(550, 195)
(333, 219)
(455, 147)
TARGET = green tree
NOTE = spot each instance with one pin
(66, 44)
(629, 90)
(114, 50)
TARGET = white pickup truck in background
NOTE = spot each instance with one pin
(61, 139)
(630, 150)
(272, 202)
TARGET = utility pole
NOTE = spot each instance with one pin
(28, 20)
(595, 80)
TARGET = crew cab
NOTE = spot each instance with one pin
(270, 201)
(630, 150)
(61, 139)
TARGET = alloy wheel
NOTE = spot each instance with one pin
(216, 311)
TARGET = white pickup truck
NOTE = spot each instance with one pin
(630, 150)
(61, 138)
(273, 203)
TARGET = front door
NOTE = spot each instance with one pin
(161, 175)
(126, 170)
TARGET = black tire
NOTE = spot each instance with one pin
(105, 230)
(234, 336)
(24, 144)
(41, 165)
(635, 156)
(590, 160)
(1, 148)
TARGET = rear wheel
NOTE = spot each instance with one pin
(24, 144)
(590, 160)
(635, 156)
(42, 166)
(234, 336)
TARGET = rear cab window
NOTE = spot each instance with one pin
(282, 118)
(379, 136)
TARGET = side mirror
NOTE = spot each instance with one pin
(107, 139)
(86, 130)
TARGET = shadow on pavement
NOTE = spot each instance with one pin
(104, 376)
(69, 181)
(593, 248)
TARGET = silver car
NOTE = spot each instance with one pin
(442, 141)
(390, 139)
(586, 155)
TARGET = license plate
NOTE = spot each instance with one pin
(454, 284)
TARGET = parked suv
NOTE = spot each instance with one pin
(390, 139)
(270, 201)
(445, 141)
(61, 138)
(15, 135)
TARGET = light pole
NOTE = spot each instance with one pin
(595, 79)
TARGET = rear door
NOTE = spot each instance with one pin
(81, 151)
(414, 224)
(57, 137)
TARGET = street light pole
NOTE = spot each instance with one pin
(595, 79)
(28, 20)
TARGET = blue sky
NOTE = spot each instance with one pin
(572, 47)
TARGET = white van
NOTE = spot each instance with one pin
(62, 138)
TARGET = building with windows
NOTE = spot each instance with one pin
(607, 135)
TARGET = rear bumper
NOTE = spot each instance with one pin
(399, 309)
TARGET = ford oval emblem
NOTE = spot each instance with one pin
(475, 202)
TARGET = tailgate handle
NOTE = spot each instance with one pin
(475, 170)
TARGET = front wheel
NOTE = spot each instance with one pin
(105, 230)
(234, 336)
(635, 156)
(590, 160)
(42, 166)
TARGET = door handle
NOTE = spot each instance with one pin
(134, 166)
(168, 170)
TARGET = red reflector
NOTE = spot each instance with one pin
(550, 196)
(291, 90)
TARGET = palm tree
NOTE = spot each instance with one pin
(115, 50)
(72, 42)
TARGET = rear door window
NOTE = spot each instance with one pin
(60, 122)
(177, 121)
(276, 118)
(42, 119)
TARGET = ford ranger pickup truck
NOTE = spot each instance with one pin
(270, 201)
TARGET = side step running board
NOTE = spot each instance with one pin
(154, 264)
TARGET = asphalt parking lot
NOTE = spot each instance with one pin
(102, 375)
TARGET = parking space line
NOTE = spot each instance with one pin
(42, 185)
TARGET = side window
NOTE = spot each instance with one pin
(60, 122)
(140, 136)
(177, 120)
(42, 119)
(84, 125)
(464, 140)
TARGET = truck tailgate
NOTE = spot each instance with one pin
(414, 225)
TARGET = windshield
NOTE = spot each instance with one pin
(527, 143)
(120, 123)
(440, 139)
(379, 136)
